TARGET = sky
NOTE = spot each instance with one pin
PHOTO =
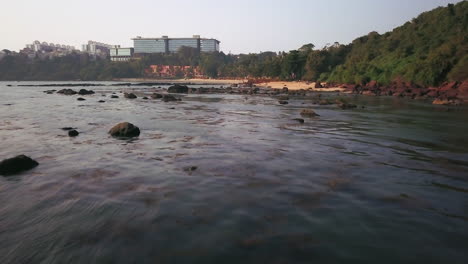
(242, 26)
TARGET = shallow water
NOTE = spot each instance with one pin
(387, 183)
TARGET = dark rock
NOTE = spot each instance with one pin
(81, 99)
(318, 84)
(190, 169)
(178, 89)
(130, 96)
(346, 105)
(67, 128)
(169, 98)
(85, 92)
(145, 98)
(17, 164)
(285, 89)
(124, 129)
(67, 92)
(308, 113)
(114, 96)
(300, 120)
(101, 101)
(283, 102)
(156, 96)
(73, 133)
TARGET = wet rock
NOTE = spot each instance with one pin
(67, 128)
(85, 92)
(440, 101)
(178, 89)
(130, 95)
(67, 92)
(169, 98)
(325, 102)
(124, 129)
(190, 169)
(114, 96)
(81, 99)
(145, 98)
(17, 164)
(156, 96)
(101, 101)
(318, 85)
(50, 91)
(73, 133)
(285, 89)
(346, 106)
(281, 102)
(300, 120)
(308, 113)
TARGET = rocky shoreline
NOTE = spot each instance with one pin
(449, 93)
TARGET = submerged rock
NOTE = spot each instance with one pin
(101, 101)
(169, 98)
(308, 113)
(67, 128)
(130, 95)
(114, 96)
(300, 120)
(81, 99)
(85, 92)
(17, 164)
(178, 89)
(156, 96)
(67, 92)
(283, 102)
(124, 129)
(346, 106)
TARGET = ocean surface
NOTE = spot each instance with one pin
(220, 178)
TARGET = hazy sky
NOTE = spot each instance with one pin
(242, 26)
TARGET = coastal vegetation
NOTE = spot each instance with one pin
(429, 50)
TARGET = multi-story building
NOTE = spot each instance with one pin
(169, 45)
(44, 50)
(120, 54)
(96, 48)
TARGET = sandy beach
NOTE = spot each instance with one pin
(296, 85)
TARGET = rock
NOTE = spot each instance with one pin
(325, 102)
(463, 91)
(67, 92)
(67, 128)
(101, 101)
(318, 85)
(156, 96)
(130, 96)
(285, 89)
(124, 129)
(178, 89)
(440, 101)
(73, 133)
(145, 98)
(283, 98)
(114, 96)
(85, 92)
(169, 98)
(346, 106)
(281, 102)
(81, 99)
(300, 120)
(17, 164)
(308, 113)
(190, 169)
